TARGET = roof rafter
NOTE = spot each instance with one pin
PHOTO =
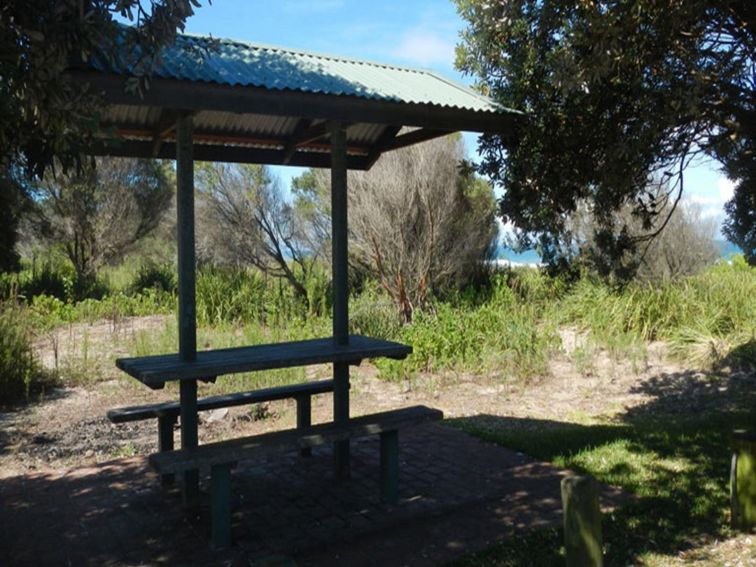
(291, 146)
(387, 136)
(415, 137)
(165, 126)
(222, 138)
(218, 153)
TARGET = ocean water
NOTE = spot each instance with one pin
(526, 257)
(725, 247)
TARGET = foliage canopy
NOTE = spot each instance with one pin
(46, 118)
(620, 94)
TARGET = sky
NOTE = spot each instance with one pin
(417, 33)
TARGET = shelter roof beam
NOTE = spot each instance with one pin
(166, 125)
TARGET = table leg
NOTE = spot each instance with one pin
(341, 415)
(165, 442)
(188, 391)
(390, 466)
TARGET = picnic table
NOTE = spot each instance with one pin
(220, 457)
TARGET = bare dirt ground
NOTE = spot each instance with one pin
(68, 426)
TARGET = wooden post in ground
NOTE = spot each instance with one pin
(582, 522)
(743, 480)
(187, 320)
(339, 254)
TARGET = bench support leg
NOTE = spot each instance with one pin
(304, 420)
(390, 467)
(165, 443)
(341, 415)
(220, 494)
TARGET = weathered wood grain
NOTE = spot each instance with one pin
(154, 371)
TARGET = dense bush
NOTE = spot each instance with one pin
(227, 294)
(53, 278)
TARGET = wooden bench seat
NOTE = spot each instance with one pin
(221, 456)
(167, 413)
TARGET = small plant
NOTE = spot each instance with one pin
(260, 412)
(127, 450)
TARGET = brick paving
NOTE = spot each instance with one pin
(457, 494)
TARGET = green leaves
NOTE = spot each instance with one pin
(617, 92)
(43, 114)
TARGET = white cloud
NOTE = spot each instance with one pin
(726, 188)
(711, 200)
(423, 47)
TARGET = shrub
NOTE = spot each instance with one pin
(53, 280)
(503, 335)
(154, 276)
(374, 314)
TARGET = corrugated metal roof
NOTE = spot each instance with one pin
(235, 63)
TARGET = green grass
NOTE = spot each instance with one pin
(703, 317)
(507, 329)
(679, 469)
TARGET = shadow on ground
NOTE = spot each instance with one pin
(458, 495)
(673, 452)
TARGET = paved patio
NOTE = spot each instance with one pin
(458, 494)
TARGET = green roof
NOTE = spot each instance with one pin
(235, 63)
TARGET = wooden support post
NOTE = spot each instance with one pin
(390, 467)
(743, 480)
(582, 522)
(165, 443)
(220, 494)
(304, 419)
(339, 254)
(187, 321)
(339, 227)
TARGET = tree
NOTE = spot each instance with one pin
(13, 201)
(684, 245)
(44, 115)
(99, 214)
(418, 220)
(618, 93)
(246, 221)
(740, 226)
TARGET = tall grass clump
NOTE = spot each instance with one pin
(703, 317)
(233, 294)
(502, 334)
(722, 317)
(230, 294)
(18, 367)
(373, 313)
